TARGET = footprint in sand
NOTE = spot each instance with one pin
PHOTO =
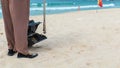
(103, 28)
(1, 33)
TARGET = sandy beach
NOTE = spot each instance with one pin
(82, 39)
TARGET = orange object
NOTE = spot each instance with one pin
(100, 3)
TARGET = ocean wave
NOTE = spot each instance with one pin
(0, 11)
(51, 4)
(67, 8)
(71, 7)
(95, 6)
(34, 4)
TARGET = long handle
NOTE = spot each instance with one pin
(44, 16)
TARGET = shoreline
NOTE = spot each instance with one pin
(81, 39)
(73, 11)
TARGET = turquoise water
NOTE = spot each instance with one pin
(61, 6)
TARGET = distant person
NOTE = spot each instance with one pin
(16, 19)
(78, 7)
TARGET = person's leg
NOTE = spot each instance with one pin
(19, 10)
(8, 24)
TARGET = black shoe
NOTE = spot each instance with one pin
(26, 56)
(11, 52)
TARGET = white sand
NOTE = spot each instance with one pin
(83, 39)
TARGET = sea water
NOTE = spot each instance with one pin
(62, 6)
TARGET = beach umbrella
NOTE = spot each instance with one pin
(44, 16)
